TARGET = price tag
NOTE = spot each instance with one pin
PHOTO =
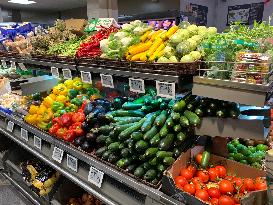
(67, 74)
(10, 126)
(72, 163)
(57, 154)
(136, 85)
(4, 64)
(12, 64)
(37, 142)
(55, 72)
(107, 81)
(95, 176)
(24, 134)
(86, 77)
(165, 89)
(22, 66)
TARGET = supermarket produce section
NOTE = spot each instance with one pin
(133, 115)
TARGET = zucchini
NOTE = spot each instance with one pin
(150, 175)
(148, 99)
(192, 105)
(101, 139)
(170, 122)
(139, 172)
(136, 136)
(141, 145)
(184, 122)
(119, 128)
(106, 154)
(127, 119)
(154, 142)
(160, 119)
(155, 181)
(163, 106)
(177, 128)
(146, 166)
(127, 113)
(147, 108)
(210, 112)
(177, 151)
(131, 168)
(175, 116)
(205, 159)
(124, 162)
(125, 134)
(168, 161)
(113, 158)
(125, 152)
(105, 130)
(234, 113)
(179, 106)
(166, 142)
(113, 147)
(192, 117)
(132, 106)
(100, 151)
(150, 134)
(149, 121)
(153, 161)
(163, 154)
(199, 112)
(164, 130)
(171, 103)
(108, 141)
(161, 168)
(151, 152)
(221, 113)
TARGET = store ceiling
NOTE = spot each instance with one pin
(48, 5)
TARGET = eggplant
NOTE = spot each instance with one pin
(104, 103)
(88, 108)
(85, 126)
(91, 137)
(79, 141)
(86, 146)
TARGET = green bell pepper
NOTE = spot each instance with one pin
(57, 106)
(72, 93)
(71, 108)
(76, 101)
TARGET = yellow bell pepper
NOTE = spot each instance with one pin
(41, 109)
(53, 97)
(48, 101)
(69, 83)
(60, 90)
(77, 79)
(33, 109)
(31, 119)
(61, 98)
(46, 117)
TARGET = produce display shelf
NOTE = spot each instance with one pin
(115, 184)
(243, 93)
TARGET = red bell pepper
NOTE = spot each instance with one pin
(77, 127)
(56, 120)
(66, 119)
(69, 136)
(78, 117)
(53, 130)
(61, 132)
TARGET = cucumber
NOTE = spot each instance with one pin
(150, 175)
(124, 162)
(177, 128)
(151, 152)
(105, 130)
(168, 161)
(100, 151)
(149, 121)
(180, 137)
(166, 142)
(106, 154)
(108, 141)
(113, 158)
(127, 113)
(146, 166)
(136, 136)
(119, 128)
(125, 134)
(164, 130)
(131, 168)
(234, 113)
(184, 122)
(147, 108)
(132, 106)
(205, 159)
(177, 152)
(148, 99)
(170, 122)
(142, 158)
(113, 147)
(192, 117)
(125, 152)
(101, 139)
(155, 181)
(155, 103)
(179, 106)
(171, 103)
(127, 119)
(131, 144)
(163, 154)
(150, 134)
(220, 113)
(191, 106)
(141, 145)
(153, 161)
(139, 172)
(163, 106)
(199, 112)
(154, 142)
(121, 146)
(161, 168)
(160, 119)
(175, 116)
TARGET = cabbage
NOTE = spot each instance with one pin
(183, 48)
(192, 29)
(173, 59)
(211, 31)
(163, 59)
(187, 59)
(176, 39)
(120, 34)
(126, 41)
(196, 55)
(104, 45)
(168, 51)
(193, 44)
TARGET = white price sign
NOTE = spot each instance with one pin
(107, 81)
(37, 142)
(10, 126)
(4, 64)
(12, 64)
(24, 134)
(136, 85)
(86, 77)
(57, 154)
(165, 89)
(67, 74)
(72, 162)
(55, 72)
(22, 66)
(95, 176)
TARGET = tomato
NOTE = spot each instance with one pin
(198, 158)
(189, 188)
(186, 173)
(243, 188)
(237, 198)
(179, 186)
(214, 192)
(200, 186)
(221, 171)
(214, 201)
(203, 176)
(249, 184)
(181, 181)
(226, 200)
(226, 186)
(260, 186)
(192, 168)
(213, 174)
(260, 179)
(229, 178)
(196, 180)
(237, 182)
(202, 194)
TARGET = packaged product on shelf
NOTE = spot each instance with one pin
(86, 199)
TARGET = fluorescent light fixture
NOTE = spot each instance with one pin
(26, 2)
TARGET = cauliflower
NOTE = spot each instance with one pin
(192, 29)
(120, 34)
(127, 27)
(163, 59)
(104, 45)
(126, 41)
(136, 23)
(173, 59)
(212, 31)
(183, 48)
(168, 51)
(196, 55)
(187, 59)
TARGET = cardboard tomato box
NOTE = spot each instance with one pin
(233, 168)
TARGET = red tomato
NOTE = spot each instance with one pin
(198, 158)
(229, 178)
(203, 176)
(189, 188)
(243, 188)
(192, 168)
(260, 179)
(237, 198)
(260, 186)
(196, 180)
(222, 171)
(214, 201)
(226, 200)
(186, 173)
(179, 186)
(226, 186)
(202, 194)
(249, 184)
(181, 181)
(200, 186)
(237, 182)
(214, 192)
(213, 174)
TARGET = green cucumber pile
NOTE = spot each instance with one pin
(146, 136)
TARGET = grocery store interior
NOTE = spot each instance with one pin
(153, 102)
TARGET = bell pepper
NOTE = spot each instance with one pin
(72, 93)
(76, 101)
(49, 125)
(53, 130)
(69, 136)
(77, 127)
(60, 90)
(66, 119)
(48, 101)
(71, 108)
(57, 106)
(41, 109)
(86, 86)
(52, 96)
(33, 109)
(77, 79)
(84, 104)
(78, 117)
(46, 117)
(31, 119)
(61, 98)
(60, 113)
(69, 83)
(61, 132)
(56, 120)
(42, 125)
(77, 85)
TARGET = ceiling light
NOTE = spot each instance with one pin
(26, 2)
